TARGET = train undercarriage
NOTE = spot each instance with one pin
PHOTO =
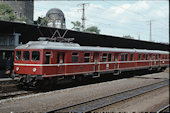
(39, 82)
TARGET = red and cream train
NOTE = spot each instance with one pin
(46, 60)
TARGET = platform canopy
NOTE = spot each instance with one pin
(33, 32)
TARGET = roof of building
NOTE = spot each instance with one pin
(33, 32)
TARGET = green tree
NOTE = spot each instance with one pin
(93, 29)
(77, 25)
(7, 13)
(128, 36)
(43, 21)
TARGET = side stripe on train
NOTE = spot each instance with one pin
(64, 64)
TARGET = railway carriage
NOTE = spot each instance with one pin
(39, 61)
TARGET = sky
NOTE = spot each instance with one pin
(116, 17)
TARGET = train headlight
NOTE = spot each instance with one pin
(34, 69)
(17, 68)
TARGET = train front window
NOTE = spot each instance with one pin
(35, 55)
(47, 57)
(26, 55)
(18, 55)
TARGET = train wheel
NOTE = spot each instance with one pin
(79, 78)
(150, 69)
(163, 68)
(38, 85)
(158, 69)
(116, 72)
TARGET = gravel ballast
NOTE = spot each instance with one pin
(48, 101)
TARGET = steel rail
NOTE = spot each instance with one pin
(13, 94)
(97, 103)
(10, 88)
(165, 109)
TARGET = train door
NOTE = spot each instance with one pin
(159, 60)
(47, 57)
(61, 69)
(153, 60)
(96, 60)
(150, 60)
(116, 58)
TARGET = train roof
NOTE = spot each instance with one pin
(75, 46)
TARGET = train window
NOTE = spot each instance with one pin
(58, 57)
(153, 57)
(122, 57)
(116, 57)
(162, 56)
(139, 56)
(26, 55)
(126, 57)
(146, 56)
(86, 57)
(63, 57)
(113, 57)
(35, 55)
(74, 57)
(131, 57)
(143, 56)
(18, 55)
(156, 56)
(150, 56)
(47, 57)
(104, 58)
(109, 57)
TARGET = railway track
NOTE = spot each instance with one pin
(8, 85)
(14, 94)
(97, 103)
(10, 88)
(164, 109)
